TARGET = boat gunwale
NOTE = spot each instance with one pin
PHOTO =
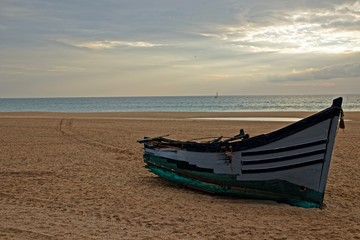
(251, 142)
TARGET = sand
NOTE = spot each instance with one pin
(81, 176)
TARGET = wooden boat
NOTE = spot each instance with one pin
(288, 165)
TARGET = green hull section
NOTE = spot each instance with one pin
(227, 184)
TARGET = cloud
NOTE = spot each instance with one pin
(343, 71)
(230, 44)
(299, 30)
(30, 70)
(110, 44)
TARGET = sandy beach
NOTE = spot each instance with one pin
(82, 176)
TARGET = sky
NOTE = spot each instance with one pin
(88, 48)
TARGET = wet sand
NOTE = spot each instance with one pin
(81, 176)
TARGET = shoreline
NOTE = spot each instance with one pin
(198, 116)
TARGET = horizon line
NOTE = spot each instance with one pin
(219, 96)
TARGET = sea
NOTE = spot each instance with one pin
(178, 104)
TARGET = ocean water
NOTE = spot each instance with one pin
(177, 104)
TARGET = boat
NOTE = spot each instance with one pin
(289, 165)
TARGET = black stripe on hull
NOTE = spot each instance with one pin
(282, 168)
(180, 164)
(281, 159)
(284, 149)
(188, 166)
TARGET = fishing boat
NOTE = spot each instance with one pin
(289, 165)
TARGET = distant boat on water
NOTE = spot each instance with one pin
(217, 95)
(288, 165)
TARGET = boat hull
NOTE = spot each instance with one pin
(227, 184)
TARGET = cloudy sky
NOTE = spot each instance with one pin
(171, 47)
